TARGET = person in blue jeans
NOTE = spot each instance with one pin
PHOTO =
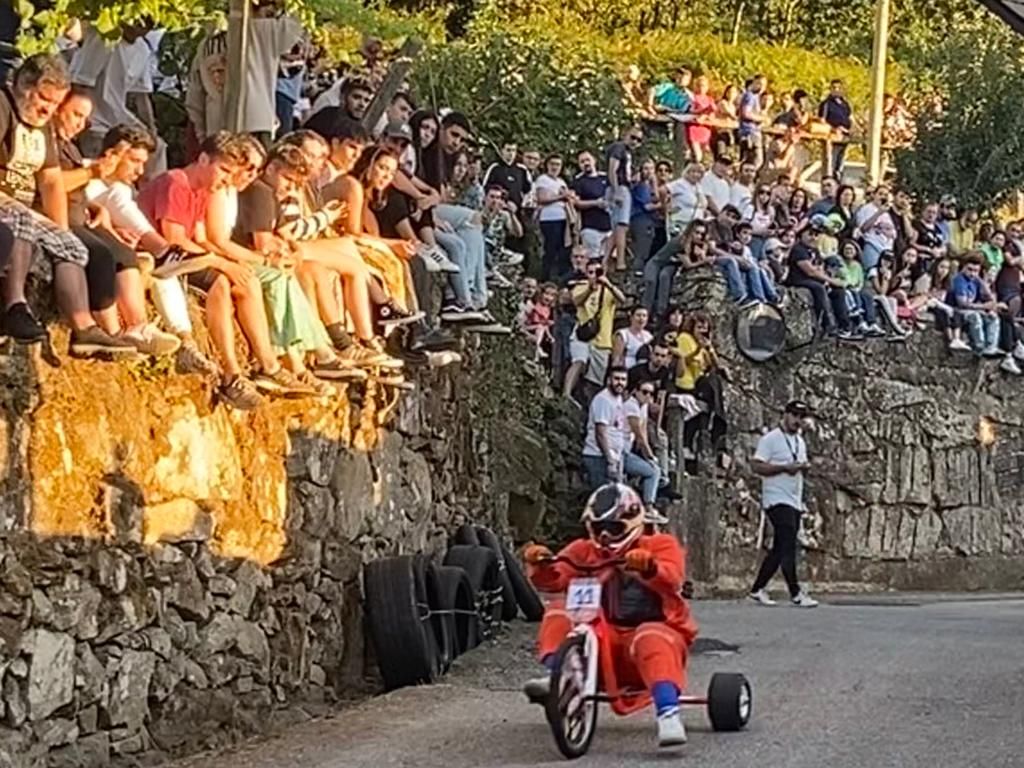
(640, 460)
(746, 283)
(976, 306)
(661, 268)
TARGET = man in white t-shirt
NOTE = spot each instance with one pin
(741, 192)
(716, 184)
(605, 442)
(688, 202)
(781, 460)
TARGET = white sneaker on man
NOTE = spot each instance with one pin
(761, 597)
(1009, 365)
(1018, 350)
(991, 351)
(959, 345)
(671, 731)
(803, 600)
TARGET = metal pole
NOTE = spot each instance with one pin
(238, 53)
(879, 53)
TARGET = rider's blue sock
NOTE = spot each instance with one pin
(549, 662)
(666, 697)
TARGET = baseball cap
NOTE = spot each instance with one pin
(798, 408)
(396, 129)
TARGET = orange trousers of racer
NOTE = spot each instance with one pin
(648, 654)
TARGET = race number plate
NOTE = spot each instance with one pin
(584, 598)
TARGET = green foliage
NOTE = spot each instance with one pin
(551, 93)
(975, 145)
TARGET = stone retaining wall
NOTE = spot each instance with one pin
(174, 576)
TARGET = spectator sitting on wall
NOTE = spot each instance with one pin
(639, 459)
(806, 270)
(116, 287)
(976, 307)
(30, 166)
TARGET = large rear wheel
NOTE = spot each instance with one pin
(573, 719)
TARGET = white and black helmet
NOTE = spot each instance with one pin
(614, 516)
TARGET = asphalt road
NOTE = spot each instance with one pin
(901, 684)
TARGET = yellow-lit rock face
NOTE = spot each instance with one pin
(116, 446)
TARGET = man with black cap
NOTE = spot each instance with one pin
(781, 460)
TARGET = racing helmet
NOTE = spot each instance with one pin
(614, 516)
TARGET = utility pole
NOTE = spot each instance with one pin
(239, 13)
(879, 54)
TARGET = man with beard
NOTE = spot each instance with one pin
(29, 165)
(606, 424)
(591, 188)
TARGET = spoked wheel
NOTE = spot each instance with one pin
(573, 720)
(730, 701)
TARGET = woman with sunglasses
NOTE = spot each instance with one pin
(639, 459)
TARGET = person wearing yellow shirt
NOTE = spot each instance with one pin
(961, 233)
(596, 297)
(699, 373)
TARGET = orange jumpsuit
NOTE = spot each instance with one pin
(645, 653)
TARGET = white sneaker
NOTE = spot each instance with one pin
(803, 600)
(436, 259)
(150, 340)
(443, 358)
(992, 351)
(1010, 366)
(959, 345)
(1018, 350)
(671, 731)
(761, 597)
(431, 266)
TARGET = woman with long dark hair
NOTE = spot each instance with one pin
(553, 198)
(700, 374)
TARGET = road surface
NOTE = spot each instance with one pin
(896, 682)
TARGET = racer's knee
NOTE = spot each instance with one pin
(659, 653)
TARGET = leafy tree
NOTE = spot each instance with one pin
(972, 144)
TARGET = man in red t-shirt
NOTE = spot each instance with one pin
(175, 202)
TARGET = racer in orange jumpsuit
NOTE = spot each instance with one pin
(650, 625)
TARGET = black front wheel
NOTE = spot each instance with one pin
(572, 718)
(730, 701)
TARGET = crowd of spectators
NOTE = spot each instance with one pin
(870, 261)
(321, 238)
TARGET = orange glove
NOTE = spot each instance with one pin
(535, 554)
(641, 561)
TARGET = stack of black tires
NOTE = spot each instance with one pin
(421, 615)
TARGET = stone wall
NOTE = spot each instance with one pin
(175, 575)
(918, 462)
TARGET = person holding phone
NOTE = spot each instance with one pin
(781, 460)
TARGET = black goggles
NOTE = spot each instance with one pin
(613, 528)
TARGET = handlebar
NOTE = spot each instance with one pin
(584, 567)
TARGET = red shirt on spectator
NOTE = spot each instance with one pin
(702, 104)
(170, 197)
